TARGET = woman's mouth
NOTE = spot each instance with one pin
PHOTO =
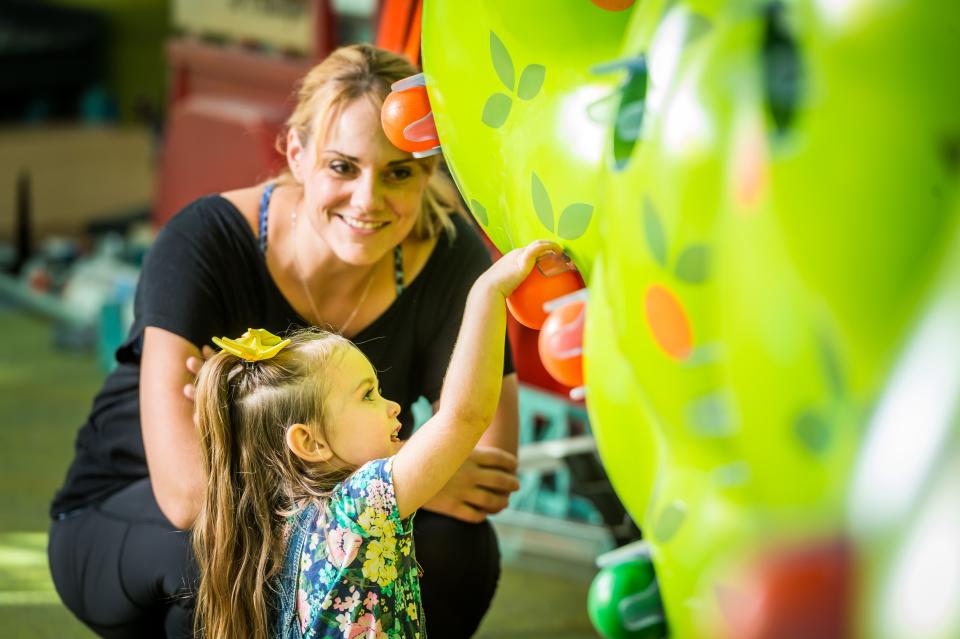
(364, 226)
(395, 435)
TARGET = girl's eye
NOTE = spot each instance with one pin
(369, 395)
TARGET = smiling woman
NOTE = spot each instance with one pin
(357, 237)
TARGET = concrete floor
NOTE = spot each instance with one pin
(45, 393)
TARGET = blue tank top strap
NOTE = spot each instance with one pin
(398, 268)
(264, 207)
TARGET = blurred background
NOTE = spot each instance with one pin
(113, 115)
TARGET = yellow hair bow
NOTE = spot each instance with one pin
(255, 345)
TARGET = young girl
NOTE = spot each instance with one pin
(305, 530)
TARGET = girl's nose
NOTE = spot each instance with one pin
(366, 196)
(393, 408)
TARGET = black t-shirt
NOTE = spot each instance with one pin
(205, 276)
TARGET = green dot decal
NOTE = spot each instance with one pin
(574, 221)
(669, 522)
(693, 265)
(496, 110)
(531, 79)
(950, 152)
(711, 416)
(734, 474)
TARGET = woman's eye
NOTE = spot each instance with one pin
(341, 168)
(369, 395)
(400, 174)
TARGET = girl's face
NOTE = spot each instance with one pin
(363, 424)
(361, 194)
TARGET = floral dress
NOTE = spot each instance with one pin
(358, 572)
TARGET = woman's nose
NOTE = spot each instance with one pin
(393, 408)
(366, 194)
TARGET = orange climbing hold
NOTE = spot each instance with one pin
(408, 121)
(668, 322)
(553, 277)
(561, 343)
(613, 5)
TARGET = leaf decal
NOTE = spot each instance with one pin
(693, 265)
(574, 220)
(541, 203)
(669, 522)
(479, 212)
(496, 110)
(502, 63)
(813, 431)
(656, 237)
(832, 368)
(531, 80)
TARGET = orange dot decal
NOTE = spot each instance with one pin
(668, 322)
(613, 5)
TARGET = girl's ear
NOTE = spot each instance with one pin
(303, 443)
(295, 152)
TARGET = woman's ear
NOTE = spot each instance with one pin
(303, 443)
(295, 155)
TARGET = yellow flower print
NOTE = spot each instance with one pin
(376, 523)
(412, 611)
(380, 557)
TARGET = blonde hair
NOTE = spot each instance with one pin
(254, 481)
(364, 71)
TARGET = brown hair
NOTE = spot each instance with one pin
(364, 71)
(254, 481)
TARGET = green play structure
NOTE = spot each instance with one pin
(762, 198)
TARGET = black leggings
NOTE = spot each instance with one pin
(125, 571)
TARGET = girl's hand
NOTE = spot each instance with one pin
(506, 273)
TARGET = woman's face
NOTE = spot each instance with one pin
(361, 194)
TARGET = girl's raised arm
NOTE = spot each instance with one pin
(471, 388)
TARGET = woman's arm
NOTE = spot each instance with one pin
(169, 435)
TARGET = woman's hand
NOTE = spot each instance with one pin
(480, 487)
(193, 366)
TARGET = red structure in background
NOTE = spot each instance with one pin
(227, 104)
(399, 27)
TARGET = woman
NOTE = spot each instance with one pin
(358, 237)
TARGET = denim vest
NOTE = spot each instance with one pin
(287, 624)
